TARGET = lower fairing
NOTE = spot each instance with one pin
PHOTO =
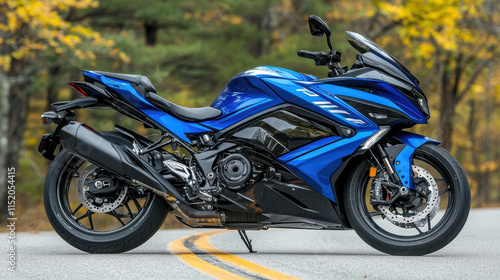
(271, 203)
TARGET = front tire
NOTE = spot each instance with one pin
(126, 227)
(393, 238)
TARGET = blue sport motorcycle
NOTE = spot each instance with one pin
(276, 149)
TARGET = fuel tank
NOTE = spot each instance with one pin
(246, 94)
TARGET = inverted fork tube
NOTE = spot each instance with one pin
(388, 165)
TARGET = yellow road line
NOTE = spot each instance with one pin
(183, 253)
(202, 241)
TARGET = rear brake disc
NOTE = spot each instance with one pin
(89, 176)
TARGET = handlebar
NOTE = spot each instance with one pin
(332, 60)
(311, 55)
(321, 58)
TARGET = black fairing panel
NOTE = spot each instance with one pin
(84, 102)
(273, 197)
(352, 78)
(281, 131)
(393, 117)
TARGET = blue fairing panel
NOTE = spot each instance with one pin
(307, 148)
(313, 97)
(382, 94)
(277, 72)
(404, 159)
(317, 166)
(128, 93)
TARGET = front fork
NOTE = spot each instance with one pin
(388, 165)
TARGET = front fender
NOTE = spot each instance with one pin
(403, 161)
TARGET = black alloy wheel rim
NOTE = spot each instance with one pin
(445, 191)
(87, 221)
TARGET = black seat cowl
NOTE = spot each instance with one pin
(137, 80)
(183, 113)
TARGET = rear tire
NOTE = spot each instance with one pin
(138, 230)
(454, 216)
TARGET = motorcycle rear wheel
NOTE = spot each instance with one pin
(433, 233)
(139, 215)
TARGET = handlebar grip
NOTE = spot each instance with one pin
(308, 54)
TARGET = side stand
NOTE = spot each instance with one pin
(247, 241)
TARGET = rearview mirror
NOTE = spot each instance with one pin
(318, 27)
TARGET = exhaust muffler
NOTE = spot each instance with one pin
(84, 142)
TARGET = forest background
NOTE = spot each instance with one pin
(191, 48)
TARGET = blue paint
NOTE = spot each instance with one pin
(129, 94)
(247, 94)
(305, 94)
(383, 94)
(413, 139)
(317, 166)
(404, 160)
(242, 97)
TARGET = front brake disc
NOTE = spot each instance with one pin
(416, 218)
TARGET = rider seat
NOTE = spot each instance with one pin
(183, 113)
(144, 86)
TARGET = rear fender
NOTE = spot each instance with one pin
(403, 161)
(84, 102)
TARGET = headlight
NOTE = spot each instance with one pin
(422, 102)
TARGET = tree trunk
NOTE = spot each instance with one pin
(486, 147)
(17, 122)
(266, 22)
(447, 110)
(471, 130)
(4, 142)
(14, 103)
(151, 30)
(53, 73)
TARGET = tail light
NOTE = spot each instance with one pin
(80, 90)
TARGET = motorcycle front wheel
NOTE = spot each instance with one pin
(424, 222)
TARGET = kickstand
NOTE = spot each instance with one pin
(247, 241)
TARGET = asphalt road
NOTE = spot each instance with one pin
(474, 254)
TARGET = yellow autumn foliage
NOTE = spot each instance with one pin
(28, 26)
(439, 25)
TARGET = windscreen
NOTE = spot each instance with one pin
(363, 44)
